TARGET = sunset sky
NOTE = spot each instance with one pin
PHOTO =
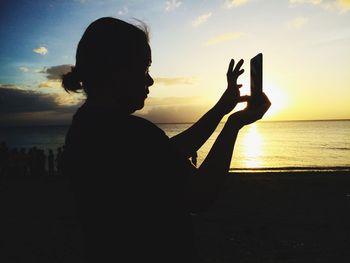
(305, 43)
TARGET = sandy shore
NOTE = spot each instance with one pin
(260, 217)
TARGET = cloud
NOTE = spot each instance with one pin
(27, 107)
(20, 106)
(123, 11)
(24, 69)
(35, 118)
(56, 72)
(343, 5)
(172, 5)
(67, 100)
(223, 38)
(340, 5)
(173, 109)
(235, 3)
(41, 50)
(54, 82)
(201, 20)
(50, 84)
(173, 81)
(45, 84)
(17, 99)
(297, 22)
(174, 113)
(54, 76)
(167, 101)
(312, 2)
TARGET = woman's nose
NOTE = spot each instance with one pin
(149, 81)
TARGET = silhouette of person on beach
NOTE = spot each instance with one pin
(51, 163)
(22, 162)
(59, 160)
(4, 155)
(138, 209)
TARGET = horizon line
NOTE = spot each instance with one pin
(293, 120)
(160, 123)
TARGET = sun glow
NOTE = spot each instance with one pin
(278, 98)
(252, 147)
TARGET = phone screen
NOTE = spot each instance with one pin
(256, 76)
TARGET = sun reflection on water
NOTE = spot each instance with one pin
(252, 147)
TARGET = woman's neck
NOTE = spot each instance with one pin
(107, 103)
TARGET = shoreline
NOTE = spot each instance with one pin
(291, 169)
(65, 124)
(278, 217)
(301, 174)
(249, 173)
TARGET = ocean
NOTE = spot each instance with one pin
(264, 146)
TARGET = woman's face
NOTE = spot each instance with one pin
(132, 83)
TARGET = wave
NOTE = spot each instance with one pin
(294, 169)
(340, 148)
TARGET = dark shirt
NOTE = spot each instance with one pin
(129, 183)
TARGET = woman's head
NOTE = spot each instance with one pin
(112, 58)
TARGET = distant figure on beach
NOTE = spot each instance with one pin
(59, 160)
(4, 155)
(41, 162)
(140, 211)
(13, 163)
(51, 163)
(23, 162)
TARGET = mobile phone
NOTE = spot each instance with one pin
(256, 77)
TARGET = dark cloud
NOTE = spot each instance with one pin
(27, 107)
(174, 114)
(167, 101)
(173, 109)
(35, 118)
(56, 72)
(174, 81)
(45, 84)
(15, 100)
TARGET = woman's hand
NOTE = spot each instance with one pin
(251, 113)
(231, 96)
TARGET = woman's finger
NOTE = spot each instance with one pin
(238, 66)
(230, 66)
(244, 98)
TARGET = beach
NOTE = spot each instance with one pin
(279, 217)
(258, 217)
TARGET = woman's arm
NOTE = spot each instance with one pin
(190, 140)
(205, 185)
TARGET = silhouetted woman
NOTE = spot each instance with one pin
(140, 212)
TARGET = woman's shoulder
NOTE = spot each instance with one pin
(106, 124)
(142, 121)
(145, 125)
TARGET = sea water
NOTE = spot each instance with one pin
(284, 145)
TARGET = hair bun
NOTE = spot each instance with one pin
(71, 81)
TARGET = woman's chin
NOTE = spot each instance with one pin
(138, 106)
(134, 104)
